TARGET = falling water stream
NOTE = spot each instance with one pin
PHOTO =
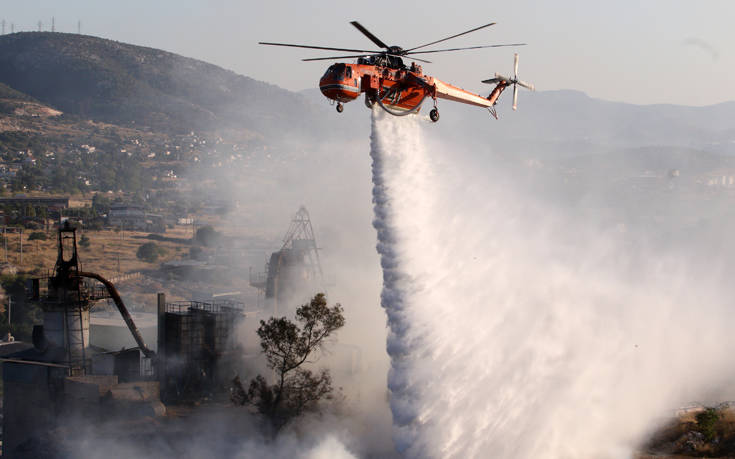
(515, 330)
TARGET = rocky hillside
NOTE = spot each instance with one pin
(133, 86)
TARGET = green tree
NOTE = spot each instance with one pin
(207, 236)
(100, 203)
(150, 252)
(287, 347)
(37, 236)
(707, 423)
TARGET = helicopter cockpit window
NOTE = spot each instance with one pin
(349, 72)
(335, 71)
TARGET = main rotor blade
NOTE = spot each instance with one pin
(358, 55)
(461, 49)
(413, 58)
(336, 57)
(367, 33)
(453, 36)
(318, 47)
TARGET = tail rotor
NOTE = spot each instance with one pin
(515, 77)
(512, 81)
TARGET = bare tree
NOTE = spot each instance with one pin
(287, 347)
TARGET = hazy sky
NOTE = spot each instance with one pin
(658, 51)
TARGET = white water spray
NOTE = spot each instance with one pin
(518, 332)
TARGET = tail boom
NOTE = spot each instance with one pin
(449, 92)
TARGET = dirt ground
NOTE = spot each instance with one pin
(110, 253)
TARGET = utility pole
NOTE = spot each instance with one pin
(3, 26)
(53, 24)
(12, 28)
(122, 236)
(40, 26)
(79, 27)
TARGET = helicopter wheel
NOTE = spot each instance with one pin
(434, 115)
(340, 107)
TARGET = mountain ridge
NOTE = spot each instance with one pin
(146, 88)
(132, 85)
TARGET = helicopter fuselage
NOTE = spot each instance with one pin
(398, 87)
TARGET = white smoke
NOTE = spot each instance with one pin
(220, 432)
(518, 331)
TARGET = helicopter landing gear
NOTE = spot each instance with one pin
(434, 114)
(340, 107)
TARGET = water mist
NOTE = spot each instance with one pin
(518, 331)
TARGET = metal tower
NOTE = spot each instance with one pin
(296, 267)
(300, 237)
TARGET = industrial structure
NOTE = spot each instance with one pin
(196, 346)
(132, 217)
(63, 375)
(293, 269)
(66, 300)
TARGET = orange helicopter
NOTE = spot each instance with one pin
(399, 89)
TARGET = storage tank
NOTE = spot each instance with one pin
(69, 328)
